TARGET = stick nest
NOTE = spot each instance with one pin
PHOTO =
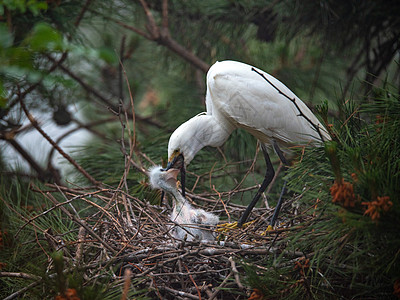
(126, 235)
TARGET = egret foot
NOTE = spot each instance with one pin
(226, 227)
(269, 228)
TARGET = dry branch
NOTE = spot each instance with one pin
(162, 36)
(55, 145)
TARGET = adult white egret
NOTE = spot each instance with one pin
(196, 223)
(242, 96)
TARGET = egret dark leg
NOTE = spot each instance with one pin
(283, 191)
(162, 196)
(183, 180)
(269, 175)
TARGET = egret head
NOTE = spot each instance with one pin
(186, 141)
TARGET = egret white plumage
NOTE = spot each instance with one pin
(194, 222)
(242, 96)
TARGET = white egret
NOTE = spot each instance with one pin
(242, 96)
(195, 223)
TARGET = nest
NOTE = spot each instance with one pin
(130, 238)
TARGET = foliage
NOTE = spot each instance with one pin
(29, 247)
(22, 6)
(349, 253)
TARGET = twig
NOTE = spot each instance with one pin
(179, 293)
(82, 12)
(79, 127)
(99, 96)
(218, 289)
(41, 173)
(127, 283)
(162, 36)
(194, 282)
(278, 170)
(121, 59)
(235, 273)
(19, 275)
(293, 100)
(223, 204)
(49, 139)
(33, 86)
(82, 223)
(79, 246)
(21, 291)
(56, 206)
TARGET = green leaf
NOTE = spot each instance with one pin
(35, 8)
(20, 57)
(44, 37)
(107, 55)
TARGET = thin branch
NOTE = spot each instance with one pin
(165, 14)
(152, 26)
(23, 290)
(218, 289)
(82, 12)
(316, 127)
(162, 36)
(103, 99)
(179, 293)
(127, 283)
(19, 275)
(42, 174)
(194, 282)
(120, 79)
(82, 223)
(80, 127)
(4, 112)
(236, 273)
(134, 29)
(49, 139)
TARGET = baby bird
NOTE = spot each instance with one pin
(195, 223)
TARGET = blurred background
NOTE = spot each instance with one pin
(63, 60)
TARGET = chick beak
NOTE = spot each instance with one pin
(177, 163)
(172, 175)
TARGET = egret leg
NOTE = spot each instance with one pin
(269, 175)
(162, 196)
(283, 191)
(183, 180)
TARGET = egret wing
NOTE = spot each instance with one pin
(238, 94)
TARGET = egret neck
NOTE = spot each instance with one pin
(196, 133)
